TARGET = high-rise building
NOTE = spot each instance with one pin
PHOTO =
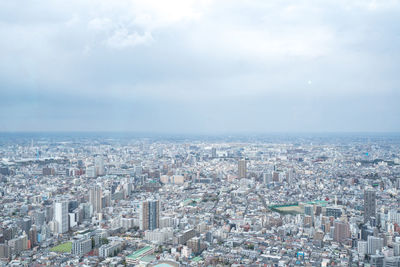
(369, 205)
(341, 231)
(99, 166)
(242, 171)
(91, 171)
(81, 246)
(374, 244)
(61, 216)
(362, 247)
(149, 217)
(95, 198)
(213, 152)
(32, 236)
(5, 251)
(138, 170)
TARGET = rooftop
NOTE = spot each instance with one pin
(139, 253)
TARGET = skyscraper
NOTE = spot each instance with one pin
(369, 205)
(149, 216)
(341, 231)
(61, 216)
(242, 168)
(95, 196)
(214, 152)
(99, 166)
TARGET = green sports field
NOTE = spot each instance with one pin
(63, 248)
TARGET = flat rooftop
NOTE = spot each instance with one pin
(139, 253)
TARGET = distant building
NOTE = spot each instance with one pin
(195, 244)
(99, 166)
(369, 205)
(109, 250)
(81, 246)
(341, 231)
(185, 236)
(159, 235)
(18, 244)
(214, 152)
(95, 198)
(61, 216)
(48, 171)
(362, 247)
(242, 169)
(135, 257)
(333, 211)
(174, 179)
(91, 171)
(375, 244)
(267, 177)
(149, 217)
(5, 251)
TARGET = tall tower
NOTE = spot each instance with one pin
(149, 216)
(99, 166)
(95, 196)
(242, 172)
(214, 152)
(61, 216)
(341, 231)
(369, 205)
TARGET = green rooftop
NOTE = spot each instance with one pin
(197, 259)
(318, 202)
(139, 253)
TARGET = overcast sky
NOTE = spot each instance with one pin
(200, 66)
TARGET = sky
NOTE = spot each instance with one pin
(182, 66)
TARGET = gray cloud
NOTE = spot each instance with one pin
(201, 66)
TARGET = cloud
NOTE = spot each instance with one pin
(100, 24)
(193, 60)
(122, 39)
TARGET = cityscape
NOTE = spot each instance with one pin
(200, 133)
(125, 200)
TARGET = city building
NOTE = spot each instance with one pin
(242, 168)
(61, 216)
(95, 198)
(369, 205)
(149, 216)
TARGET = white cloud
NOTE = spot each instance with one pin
(100, 24)
(123, 38)
(195, 51)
